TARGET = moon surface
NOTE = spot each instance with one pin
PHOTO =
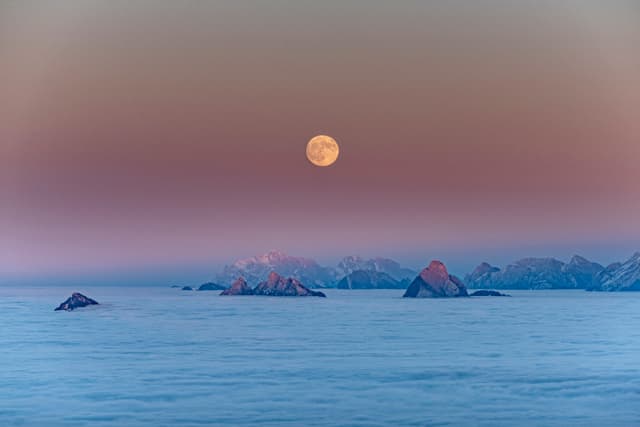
(322, 150)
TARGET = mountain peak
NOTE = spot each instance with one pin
(353, 263)
(273, 277)
(435, 282)
(577, 259)
(436, 273)
(484, 268)
(275, 255)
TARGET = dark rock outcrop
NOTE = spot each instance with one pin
(361, 279)
(436, 282)
(239, 287)
(76, 300)
(488, 293)
(619, 277)
(187, 288)
(277, 285)
(175, 286)
(210, 286)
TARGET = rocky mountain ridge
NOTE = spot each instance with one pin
(254, 269)
(354, 272)
(383, 273)
(352, 263)
(550, 273)
(619, 276)
(367, 279)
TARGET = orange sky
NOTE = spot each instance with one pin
(174, 132)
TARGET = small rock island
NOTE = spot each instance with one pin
(210, 286)
(488, 293)
(76, 300)
(436, 282)
(277, 285)
(274, 286)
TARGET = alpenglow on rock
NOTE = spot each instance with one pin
(239, 287)
(364, 279)
(76, 300)
(277, 285)
(436, 282)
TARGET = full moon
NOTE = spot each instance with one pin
(322, 150)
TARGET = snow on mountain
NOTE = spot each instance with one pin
(620, 277)
(255, 269)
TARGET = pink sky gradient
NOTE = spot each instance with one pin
(159, 133)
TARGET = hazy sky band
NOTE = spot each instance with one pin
(155, 132)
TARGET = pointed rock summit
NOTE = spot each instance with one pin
(582, 271)
(481, 273)
(276, 285)
(76, 300)
(436, 282)
(239, 287)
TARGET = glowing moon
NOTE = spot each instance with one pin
(322, 150)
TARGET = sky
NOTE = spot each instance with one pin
(159, 140)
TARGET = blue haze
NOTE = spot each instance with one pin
(164, 357)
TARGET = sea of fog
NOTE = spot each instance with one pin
(166, 357)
